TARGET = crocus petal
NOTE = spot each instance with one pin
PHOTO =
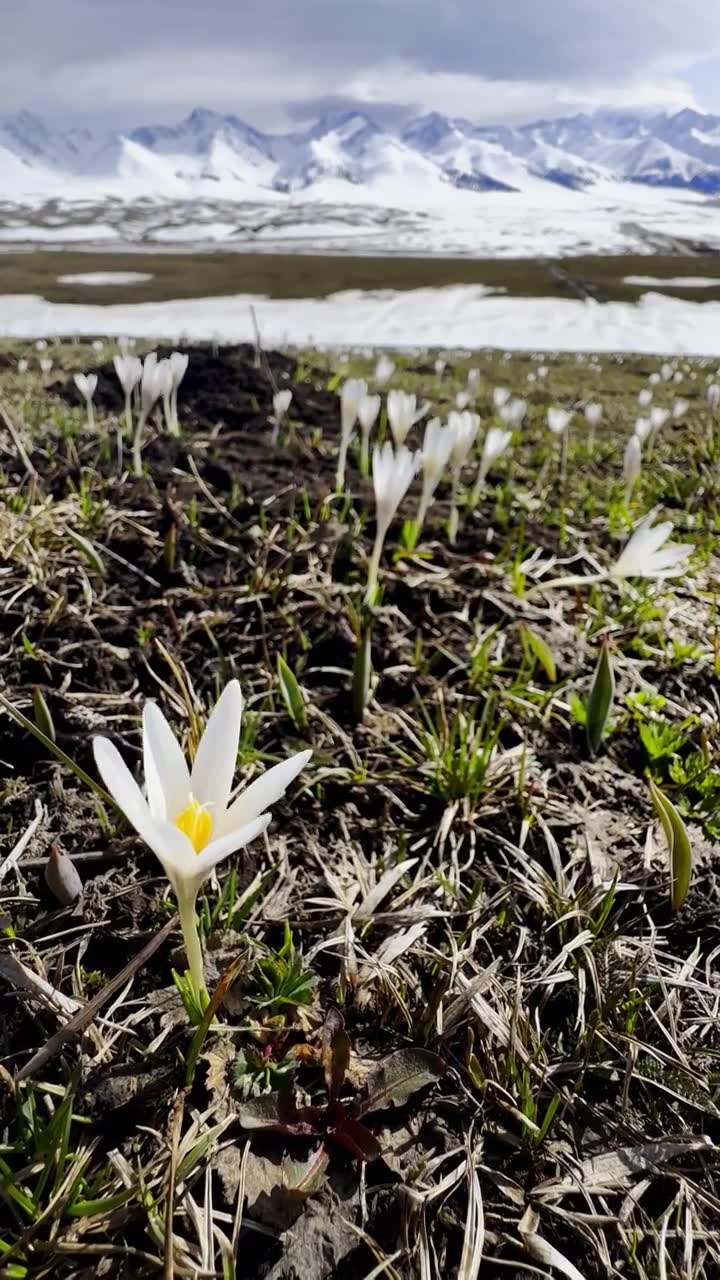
(173, 849)
(263, 793)
(122, 786)
(167, 776)
(214, 766)
(217, 850)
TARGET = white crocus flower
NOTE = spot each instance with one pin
(666, 372)
(500, 396)
(649, 555)
(164, 387)
(679, 409)
(368, 410)
(473, 379)
(86, 384)
(179, 361)
(435, 455)
(353, 391)
(713, 395)
(281, 403)
(384, 370)
(632, 465)
(392, 475)
(187, 818)
(654, 379)
(658, 418)
(465, 427)
(98, 345)
(643, 427)
(403, 413)
(542, 371)
(513, 413)
(462, 400)
(593, 417)
(496, 442)
(41, 345)
(559, 420)
(645, 398)
(440, 366)
(23, 366)
(46, 365)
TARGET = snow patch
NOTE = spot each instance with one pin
(105, 277)
(458, 317)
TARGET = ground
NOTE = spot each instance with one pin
(456, 892)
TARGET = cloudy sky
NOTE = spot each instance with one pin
(273, 61)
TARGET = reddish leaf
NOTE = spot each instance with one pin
(355, 1138)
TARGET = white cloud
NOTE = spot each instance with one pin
(474, 57)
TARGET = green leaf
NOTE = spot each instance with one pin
(541, 651)
(89, 551)
(600, 700)
(43, 719)
(292, 694)
(399, 1077)
(678, 845)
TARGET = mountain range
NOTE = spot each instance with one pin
(208, 151)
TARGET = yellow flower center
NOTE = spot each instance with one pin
(195, 822)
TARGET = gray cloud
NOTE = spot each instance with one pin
(158, 56)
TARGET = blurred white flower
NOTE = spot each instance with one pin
(46, 365)
(435, 455)
(41, 345)
(632, 465)
(680, 408)
(542, 371)
(281, 403)
(679, 376)
(462, 400)
(129, 371)
(712, 395)
(473, 379)
(98, 345)
(23, 366)
(440, 366)
(643, 427)
(658, 418)
(403, 413)
(392, 476)
(645, 398)
(559, 420)
(654, 379)
(384, 370)
(593, 414)
(513, 413)
(368, 410)
(666, 372)
(648, 554)
(495, 443)
(353, 391)
(86, 384)
(187, 818)
(500, 397)
(464, 428)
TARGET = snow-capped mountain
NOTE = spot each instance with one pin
(208, 150)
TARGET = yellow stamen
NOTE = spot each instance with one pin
(196, 823)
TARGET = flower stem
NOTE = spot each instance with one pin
(575, 580)
(137, 445)
(374, 566)
(191, 939)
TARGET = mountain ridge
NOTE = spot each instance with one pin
(348, 146)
